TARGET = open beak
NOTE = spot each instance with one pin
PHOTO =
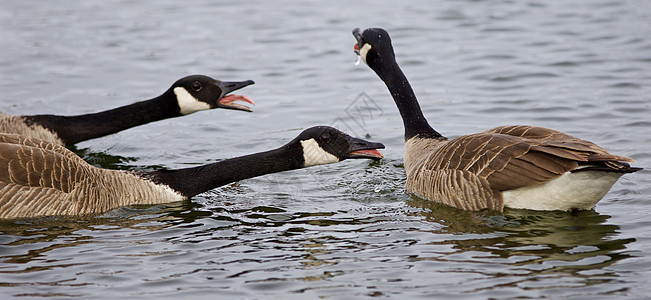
(357, 33)
(228, 101)
(364, 149)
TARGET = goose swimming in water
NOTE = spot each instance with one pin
(45, 179)
(525, 167)
(187, 95)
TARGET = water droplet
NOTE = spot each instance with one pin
(358, 60)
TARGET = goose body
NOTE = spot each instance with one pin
(45, 179)
(524, 167)
(187, 95)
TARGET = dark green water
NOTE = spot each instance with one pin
(339, 231)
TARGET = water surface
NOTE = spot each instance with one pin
(339, 231)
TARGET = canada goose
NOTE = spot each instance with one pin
(187, 95)
(523, 167)
(41, 178)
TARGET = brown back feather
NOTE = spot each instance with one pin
(506, 157)
(38, 178)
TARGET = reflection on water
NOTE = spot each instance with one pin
(578, 244)
(49, 233)
(270, 248)
(110, 161)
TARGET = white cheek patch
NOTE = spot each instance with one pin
(314, 155)
(188, 103)
(364, 51)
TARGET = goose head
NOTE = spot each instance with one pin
(198, 92)
(374, 47)
(324, 145)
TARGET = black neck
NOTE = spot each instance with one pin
(74, 129)
(402, 93)
(192, 181)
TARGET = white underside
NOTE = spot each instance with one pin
(580, 190)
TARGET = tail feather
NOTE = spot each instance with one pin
(608, 166)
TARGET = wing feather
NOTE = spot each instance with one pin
(37, 176)
(500, 159)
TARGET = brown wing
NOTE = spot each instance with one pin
(17, 125)
(36, 175)
(471, 171)
(511, 157)
(561, 144)
(10, 138)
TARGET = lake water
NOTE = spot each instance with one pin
(346, 230)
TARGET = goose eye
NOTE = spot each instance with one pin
(326, 137)
(196, 86)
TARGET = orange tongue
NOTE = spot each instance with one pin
(356, 47)
(229, 99)
(368, 152)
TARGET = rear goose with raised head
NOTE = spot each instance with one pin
(523, 167)
(187, 95)
(44, 179)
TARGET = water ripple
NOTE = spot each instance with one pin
(346, 230)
